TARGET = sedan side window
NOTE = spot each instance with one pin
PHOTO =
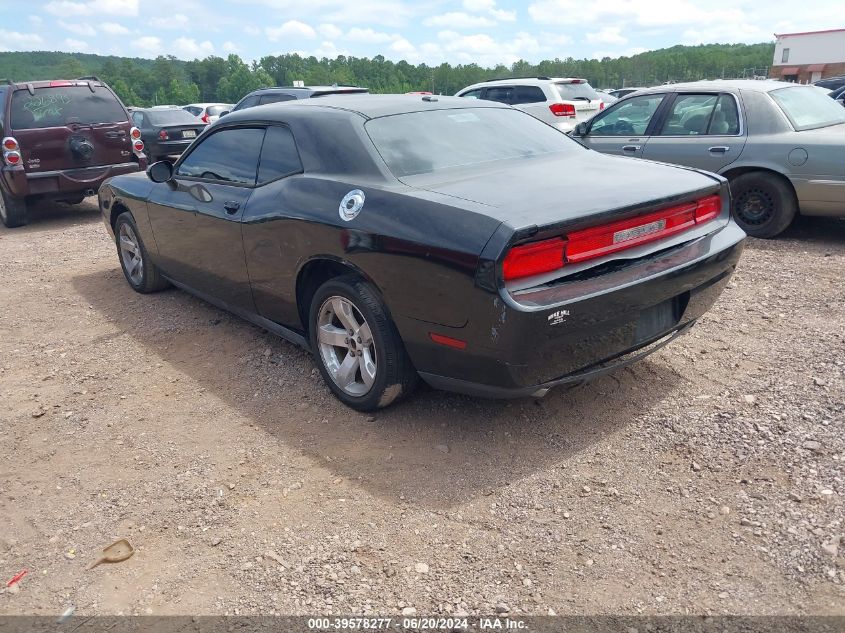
(230, 155)
(629, 117)
(690, 115)
(279, 156)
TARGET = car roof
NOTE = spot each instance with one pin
(524, 81)
(726, 85)
(339, 88)
(204, 105)
(369, 106)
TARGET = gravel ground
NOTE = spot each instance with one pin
(708, 479)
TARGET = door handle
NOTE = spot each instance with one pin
(719, 149)
(630, 148)
(231, 206)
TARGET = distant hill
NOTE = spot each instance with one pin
(142, 81)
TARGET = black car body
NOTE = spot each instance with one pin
(505, 257)
(263, 96)
(831, 83)
(166, 131)
(61, 140)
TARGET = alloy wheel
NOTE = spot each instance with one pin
(346, 346)
(130, 253)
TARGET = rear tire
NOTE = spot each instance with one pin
(13, 211)
(356, 345)
(764, 205)
(138, 269)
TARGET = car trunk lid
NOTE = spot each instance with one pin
(69, 125)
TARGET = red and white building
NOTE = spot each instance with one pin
(808, 57)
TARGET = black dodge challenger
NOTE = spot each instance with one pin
(399, 237)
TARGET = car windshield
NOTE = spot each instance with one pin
(580, 91)
(808, 108)
(59, 106)
(436, 140)
(171, 117)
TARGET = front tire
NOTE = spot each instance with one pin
(356, 346)
(13, 211)
(138, 269)
(764, 205)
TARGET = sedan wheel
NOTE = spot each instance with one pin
(358, 350)
(763, 203)
(346, 346)
(130, 253)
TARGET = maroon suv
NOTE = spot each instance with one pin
(61, 140)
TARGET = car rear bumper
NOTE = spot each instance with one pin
(575, 331)
(21, 183)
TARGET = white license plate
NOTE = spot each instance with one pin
(638, 231)
(189, 134)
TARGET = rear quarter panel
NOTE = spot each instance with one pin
(129, 193)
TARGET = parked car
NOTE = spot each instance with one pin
(606, 97)
(779, 145)
(443, 237)
(838, 95)
(208, 112)
(831, 83)
(561, 102)
(61, 139)
(292, 93)
(166, 131)
(624, 92)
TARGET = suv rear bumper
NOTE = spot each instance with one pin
(21, 183)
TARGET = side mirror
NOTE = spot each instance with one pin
(160, 171)
(580, 129)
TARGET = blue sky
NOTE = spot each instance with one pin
(431, 31)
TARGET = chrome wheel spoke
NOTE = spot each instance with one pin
(347, 371)
(128, 245)
(365, 336)
(368, 368)
(330, 335)
(343, 311)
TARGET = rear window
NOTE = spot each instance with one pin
(581, 91)
(171, 117)
(808, 108)
(59, 106)
(435, 140)
(216, 110)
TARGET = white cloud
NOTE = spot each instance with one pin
(149, 44)
(329, 31)
(113, 28)
(607, 35)
(655, 13)
(80, 28)
(75, 45)
(249, 29)
(489, 7)
(482, 49)
(369, 36)
(230, 47)
(188, 48)
(15, 41)
(291, 28)
(459, 20)
(176, 21)
(93, 7)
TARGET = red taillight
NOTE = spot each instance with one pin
(163, 135)
(535, 258)
(601, 105)
(548, 255)
(12, 158)
(10, 144)
(138, 146)
(204, 118)
(135, 133)
(448, 341)
(562, 109)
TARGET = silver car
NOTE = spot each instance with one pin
(781, 146)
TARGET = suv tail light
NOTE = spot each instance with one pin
(135, 133)
(553, 254)
(11, 151)
(204, 117)
(138, 146)
(562, 109)
(163, 135)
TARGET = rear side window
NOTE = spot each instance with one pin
(580, 91)
(229, 155)
(275, 99)
(690, 115)
(528, 94)
(247, 102)
(279, 156)
(193, 110)
(473, 94)
(59, 106)
(502, 94)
